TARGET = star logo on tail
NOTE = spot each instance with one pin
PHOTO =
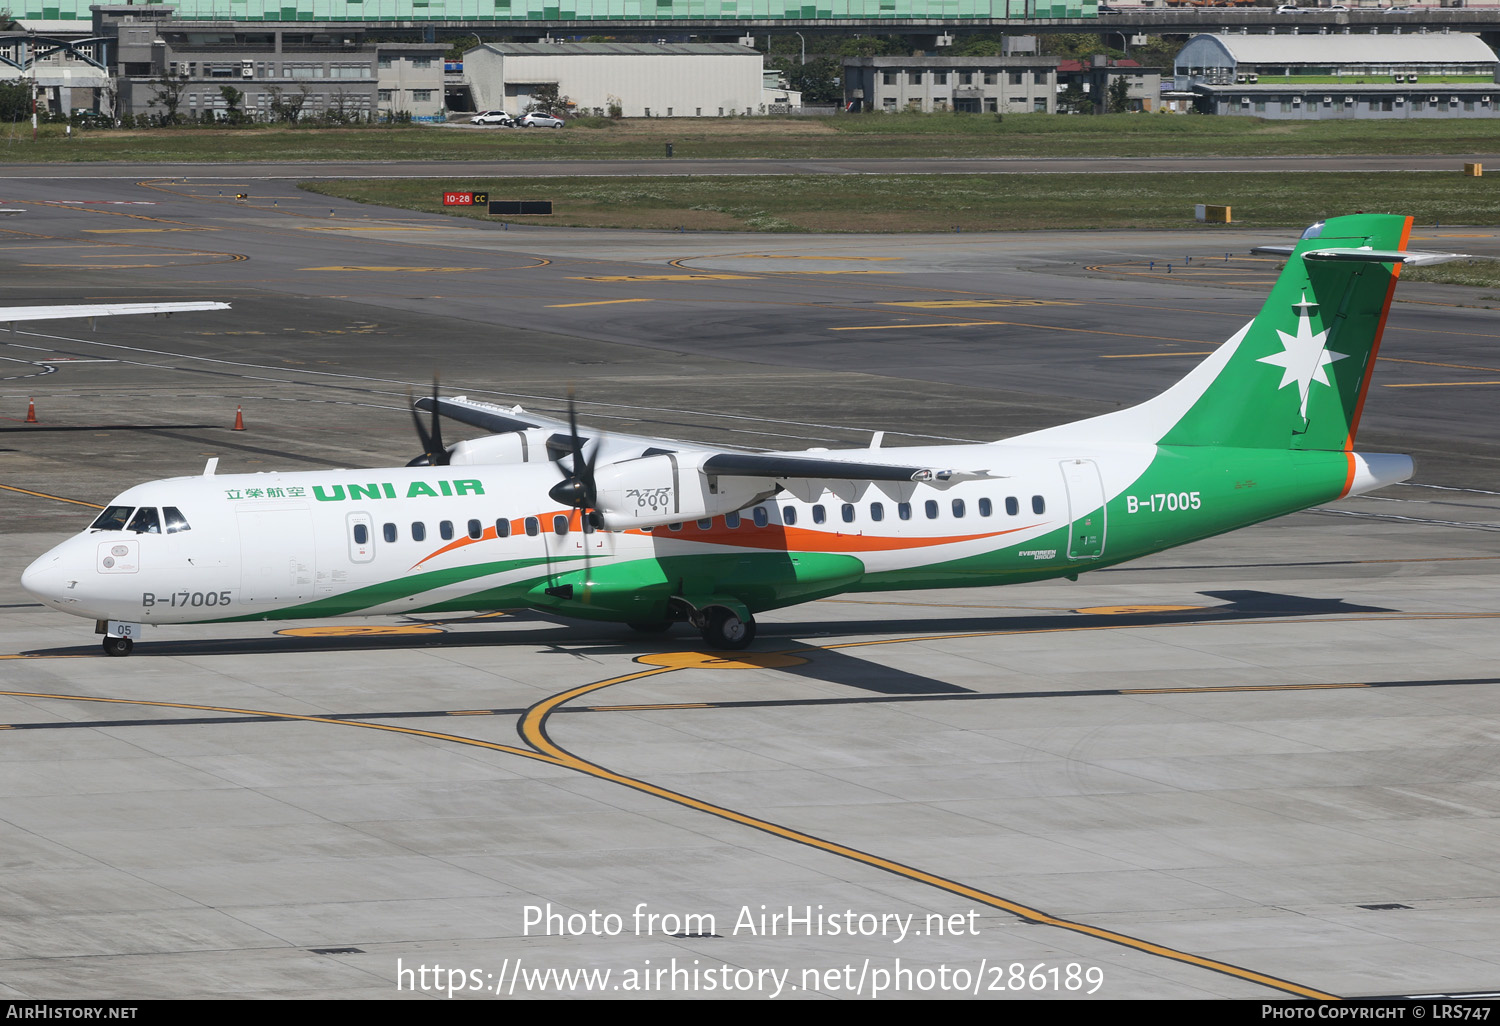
(1303, 356)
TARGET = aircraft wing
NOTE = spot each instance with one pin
(11, 314)
(781, 467)
(488, 416)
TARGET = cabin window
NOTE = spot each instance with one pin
(476, 530)
(502, 528)
(903, 510)
(559, 525)
(176, 522)
(731, 520)
(418, 531)
(533, 527)
(706, 523)
(1012, 507)
(390, 532)
(847, 512)
(1038, 504)
(958, 507)
(113, 519)
(361, 534)
(877, 511)
(789, 515)
(932, 509)
(145, 521)
(762, 518)
(986, 507)
(445, 530)
(819, 514)
(674, 527)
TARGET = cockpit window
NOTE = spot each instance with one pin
(113, 519)
(145, 521)
(175, 520)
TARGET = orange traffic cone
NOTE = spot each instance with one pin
(239, 419)
(30, 410)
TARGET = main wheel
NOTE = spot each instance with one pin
(118, 646)
(725, 630)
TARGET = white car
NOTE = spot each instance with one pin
(1288, 9)
(536, 119)
(493, 117)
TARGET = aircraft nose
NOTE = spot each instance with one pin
(43, 578)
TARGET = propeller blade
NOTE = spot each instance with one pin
(438, 451)
(434, 453)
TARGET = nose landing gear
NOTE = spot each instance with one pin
(118, 646)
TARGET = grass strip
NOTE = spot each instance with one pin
(945, 203)
(844, 136)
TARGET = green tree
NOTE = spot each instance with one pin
(166, 92)
(980, 46)
(15, 101)
(233, 98)
(819, 80)
(869, 46)
(1119, 95)
(545, 100)
(1078, 45)
(1074, 100)
(288, 108)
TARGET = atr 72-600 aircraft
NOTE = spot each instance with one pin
(649, 532)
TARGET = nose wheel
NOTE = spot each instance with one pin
(118, 646)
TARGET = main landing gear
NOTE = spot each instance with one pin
(724, 629)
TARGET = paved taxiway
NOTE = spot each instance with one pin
(1260, 765)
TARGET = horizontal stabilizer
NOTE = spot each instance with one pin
(1416, 258)
(51, 313)
(1386, 256)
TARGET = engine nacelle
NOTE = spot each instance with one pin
(671, 487)
(529, 446)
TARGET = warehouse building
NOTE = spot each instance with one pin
(1341, 75)
(642, 80)
(974, 85)
(279, 71)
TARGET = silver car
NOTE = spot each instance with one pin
(536, 119)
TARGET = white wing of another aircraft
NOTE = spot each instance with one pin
(12, 314)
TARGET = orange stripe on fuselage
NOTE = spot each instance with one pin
(779, 538)
(774, 537)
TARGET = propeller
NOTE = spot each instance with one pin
(580, 491)
(434, 453)
(578, 488)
